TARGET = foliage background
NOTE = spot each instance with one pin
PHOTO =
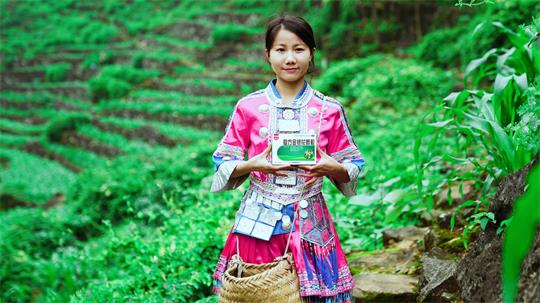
(111, 111)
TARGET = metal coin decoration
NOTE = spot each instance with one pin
(303, 213)
(288, 114)
(303, 203)
(286, 222)
(313, 111)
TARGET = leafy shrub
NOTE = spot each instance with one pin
(28, 236)
(62, 123)
(116, 81)
(108, 88)
(98, 32)
(342, 72)
(131, 185)
(94, 60)
(472, 35)
(57, 72)
(486, 122)
(379, 83)
(231, 33)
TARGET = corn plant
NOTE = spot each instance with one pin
(482, 117)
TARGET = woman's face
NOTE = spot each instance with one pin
(289, 56)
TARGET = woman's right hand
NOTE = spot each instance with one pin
(260, 163)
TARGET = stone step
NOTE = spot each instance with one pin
(377, 287)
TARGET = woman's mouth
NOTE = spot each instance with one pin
(291, 70)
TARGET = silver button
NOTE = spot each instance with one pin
(263, 132)
(288, 114)
(313, 111)
(263, 108)
(286, 222)
(303, 213)
(303, 203)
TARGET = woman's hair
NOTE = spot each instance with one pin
(294, 24)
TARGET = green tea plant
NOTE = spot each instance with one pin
(31, 178)
(115, 81)
(62, 123)
(232, 33)
(57, 72)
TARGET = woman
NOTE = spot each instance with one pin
(288, 105)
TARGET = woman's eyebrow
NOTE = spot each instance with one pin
(283, 44)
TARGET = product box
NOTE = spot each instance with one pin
(289, 149)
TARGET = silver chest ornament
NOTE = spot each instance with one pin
(263, 108)
(288, 114)
(263, 132)
(312, 111)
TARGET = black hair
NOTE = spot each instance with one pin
(298, 26)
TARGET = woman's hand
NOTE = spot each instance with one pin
(327, 166)
(259, 163)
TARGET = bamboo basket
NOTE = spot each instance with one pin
(274, 282)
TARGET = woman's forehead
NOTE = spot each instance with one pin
(287, 38)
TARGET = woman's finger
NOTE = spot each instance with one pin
(320, 151)
(267, 149)
(310, 182)
(277, 173)
(305, 167)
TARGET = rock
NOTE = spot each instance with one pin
(479, 272)
(376, 287)
(437, 236)
(430, 238)
(386, 261)
(438, 277)
(454, 245)
(395, 235)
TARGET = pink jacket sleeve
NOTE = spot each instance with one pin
(231, 152)
(341, 146)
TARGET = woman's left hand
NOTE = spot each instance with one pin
(326, 166)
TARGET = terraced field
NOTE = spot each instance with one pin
(126, 88)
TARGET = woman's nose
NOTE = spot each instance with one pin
(289, 57)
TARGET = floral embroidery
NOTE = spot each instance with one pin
(225, 149)
(349, 153)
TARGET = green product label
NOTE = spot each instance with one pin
(296, 153)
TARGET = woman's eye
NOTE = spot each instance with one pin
(299, 49)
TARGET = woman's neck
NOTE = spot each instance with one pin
(289, 90)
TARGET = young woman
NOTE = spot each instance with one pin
(288, 105)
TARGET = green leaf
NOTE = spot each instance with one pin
(483, 222)
(474, 64)
(365, 199)
(394, 196)
(520, 234)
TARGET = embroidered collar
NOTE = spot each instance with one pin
(299, 101)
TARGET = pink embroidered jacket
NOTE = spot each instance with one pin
(254, 120)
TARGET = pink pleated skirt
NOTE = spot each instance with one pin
(323, 271)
